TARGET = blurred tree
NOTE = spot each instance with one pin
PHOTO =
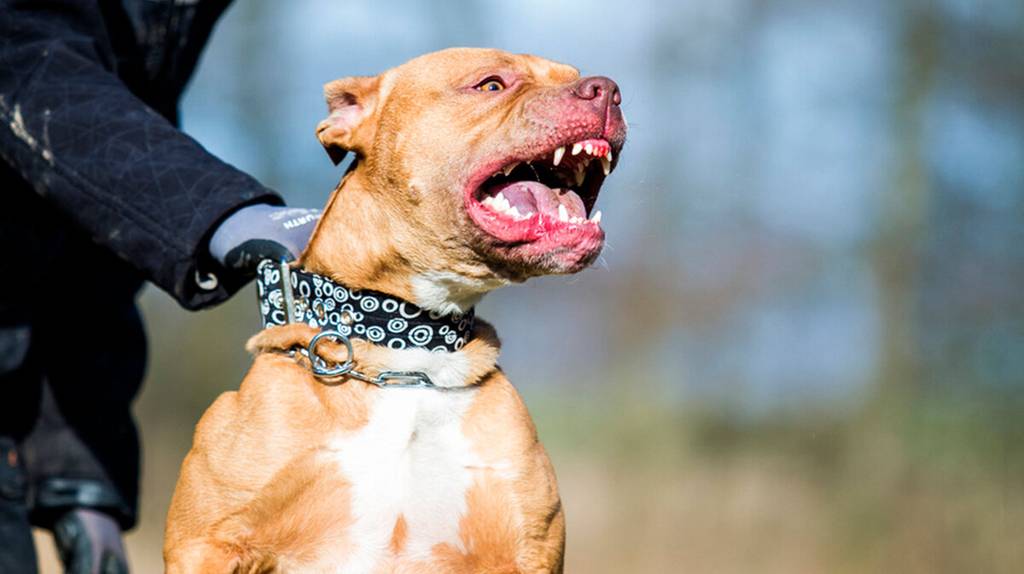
(902, 217)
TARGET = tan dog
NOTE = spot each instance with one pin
(465, 160)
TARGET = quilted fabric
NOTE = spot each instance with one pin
(88, 100)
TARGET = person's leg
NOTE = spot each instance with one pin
(83, 452)
(80, 454)
(72, 495)
(31, 427)
(17, 551)
(19, 395)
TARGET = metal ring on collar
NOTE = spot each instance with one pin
(319, 366)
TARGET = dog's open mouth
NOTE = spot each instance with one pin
(545, 196)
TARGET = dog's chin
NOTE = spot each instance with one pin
(521, 262)
(566, 260)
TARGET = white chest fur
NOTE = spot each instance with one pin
(410, 461)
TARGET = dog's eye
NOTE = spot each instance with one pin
(491, 84)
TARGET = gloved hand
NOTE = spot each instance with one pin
(89, 542)
(262, 232)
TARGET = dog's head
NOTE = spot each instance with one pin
(486, 157)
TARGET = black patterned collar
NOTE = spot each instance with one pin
(304, 297)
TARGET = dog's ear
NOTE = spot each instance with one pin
(350, 101)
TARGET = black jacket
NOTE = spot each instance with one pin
(90, 153)
(98, 192)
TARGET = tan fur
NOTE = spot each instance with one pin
(399, 215)
(261, 489)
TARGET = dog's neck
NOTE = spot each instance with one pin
(364, 241)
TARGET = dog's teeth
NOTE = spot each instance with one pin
(508, 168)
(606, 164)
(513, 211)
(590, 148)
(609, 155)
(563, 215)
(496, 203)
(577, 148)
(597, 217)
(558, 154)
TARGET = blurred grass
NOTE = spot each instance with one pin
(921, 481)
(928, 483)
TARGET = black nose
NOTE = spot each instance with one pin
(598, 87)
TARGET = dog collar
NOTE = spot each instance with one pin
(288, 295)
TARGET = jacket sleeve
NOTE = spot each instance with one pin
(123, 173)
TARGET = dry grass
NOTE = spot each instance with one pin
(932, 488)
(932, 483)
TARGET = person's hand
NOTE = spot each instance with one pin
(89, 542)
(262, 232)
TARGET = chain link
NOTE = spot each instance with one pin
(390, 379)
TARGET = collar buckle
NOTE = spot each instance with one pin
(286, 290)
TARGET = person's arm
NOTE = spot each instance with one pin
(123, 173)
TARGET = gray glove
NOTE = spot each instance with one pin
(262, 232)
(89, 542)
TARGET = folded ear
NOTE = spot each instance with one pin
(350, 103)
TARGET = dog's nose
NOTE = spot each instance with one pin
(598, 88)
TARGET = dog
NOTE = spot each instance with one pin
(473, 169)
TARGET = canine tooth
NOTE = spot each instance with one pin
(606, 164)
(577, 148)
(590, 148)
(597, 217)
(558, 154)
(609, 156)
(508, 168)
(563, 215)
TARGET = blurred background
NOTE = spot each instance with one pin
(803, 347)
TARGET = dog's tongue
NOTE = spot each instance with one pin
(530, 197)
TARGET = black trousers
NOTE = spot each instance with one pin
(67, 437)
(17, 554)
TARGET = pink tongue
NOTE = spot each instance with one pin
(529, 197)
